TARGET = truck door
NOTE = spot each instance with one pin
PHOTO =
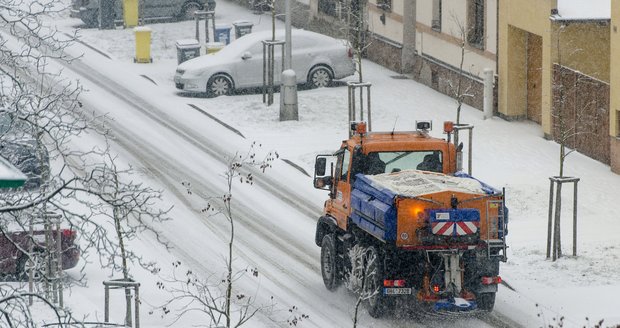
(342, 189)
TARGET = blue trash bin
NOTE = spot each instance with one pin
(222, 33)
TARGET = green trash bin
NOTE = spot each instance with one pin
(187, 49)
(242, 28)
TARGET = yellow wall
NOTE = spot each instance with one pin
(583, 47)
(614, 76)
(530, 16)
(393, 27)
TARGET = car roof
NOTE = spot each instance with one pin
(240, 45)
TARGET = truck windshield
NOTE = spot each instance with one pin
(388, 162)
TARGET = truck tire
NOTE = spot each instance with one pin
(373, 283)
(486, 301)
(329, 261)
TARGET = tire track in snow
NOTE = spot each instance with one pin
(170, 173)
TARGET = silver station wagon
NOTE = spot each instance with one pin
(317, 60)
(88, 10)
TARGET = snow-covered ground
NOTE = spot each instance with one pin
(513, 155)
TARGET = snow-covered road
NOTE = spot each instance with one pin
(274, 218)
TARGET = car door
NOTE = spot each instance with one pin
(304, 50)
(8, 253)
(249, 71)
(150, 9)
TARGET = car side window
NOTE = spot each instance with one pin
(303, 43)
(256, 49)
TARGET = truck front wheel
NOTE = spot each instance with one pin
(329, 260)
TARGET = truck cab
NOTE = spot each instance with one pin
(376, 153)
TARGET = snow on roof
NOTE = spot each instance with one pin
(583, 10)
(412, 183)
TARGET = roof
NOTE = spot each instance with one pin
(10, 176)
(583, 10)
(399, 141)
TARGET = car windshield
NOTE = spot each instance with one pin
(389, 162)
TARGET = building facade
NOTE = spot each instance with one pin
(556, 68)
(437, 42)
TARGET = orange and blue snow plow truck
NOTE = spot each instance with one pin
(402, 223)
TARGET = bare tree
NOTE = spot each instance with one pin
(355, 30)
(361, 269)
(570, 121)
(211, 295)
(460, 91)
(44, 118)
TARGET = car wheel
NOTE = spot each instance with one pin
(188, 10)
(219, 85)
(320, 77)
(36, 265)
(329, 263)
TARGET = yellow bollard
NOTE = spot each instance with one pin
(130, 13)
(143, 45)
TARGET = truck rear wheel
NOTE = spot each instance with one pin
(486, 301)
(373, 283)
(329, 260)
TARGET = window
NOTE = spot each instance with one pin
(436, 22)
(342, 166)
(475, 23)
(334, 8)
(328, 7)
(395, 161)
(384, 4)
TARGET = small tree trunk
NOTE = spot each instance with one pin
(230, 252)
(119, 234)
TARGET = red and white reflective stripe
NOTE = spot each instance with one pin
(443, 228)
(466, 228)
(454, 228)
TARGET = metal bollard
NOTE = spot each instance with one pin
(288, 96)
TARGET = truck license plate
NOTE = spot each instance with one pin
(396, 291)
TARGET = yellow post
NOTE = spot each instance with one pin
(130, 13)
(143, 45)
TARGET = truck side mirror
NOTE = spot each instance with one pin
(322, 179)
(320, 166)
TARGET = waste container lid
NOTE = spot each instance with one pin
(222, 26)
(187, 42)
(142, 29)
(242, 23)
